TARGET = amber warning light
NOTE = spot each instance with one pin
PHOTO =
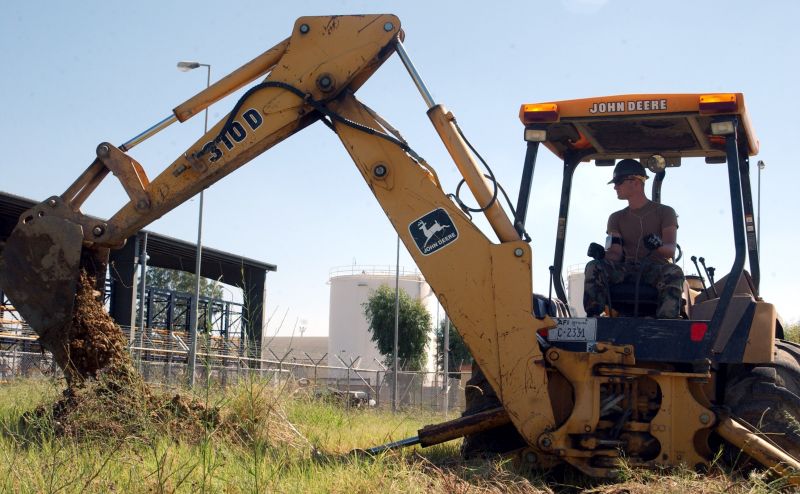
(718, 103)
(539, 113)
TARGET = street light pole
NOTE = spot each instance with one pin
(193, 322)
(395, 357)
(761, 166)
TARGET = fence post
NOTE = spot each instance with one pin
(378, 382)
(353, 363)
(280, 362)
(316, 366)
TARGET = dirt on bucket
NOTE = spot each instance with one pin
(94, 342)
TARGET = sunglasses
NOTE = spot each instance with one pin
(622, 180)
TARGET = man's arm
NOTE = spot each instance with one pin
(614, 252)
(669, 237)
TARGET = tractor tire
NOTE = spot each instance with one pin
(767, 396)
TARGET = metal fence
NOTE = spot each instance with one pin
(162, 359)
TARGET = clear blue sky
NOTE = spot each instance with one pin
(78, 73)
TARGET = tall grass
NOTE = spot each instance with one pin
(792, 332)
(275, 438)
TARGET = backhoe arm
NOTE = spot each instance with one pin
(485, 287)
(323, 56)
(54, 240)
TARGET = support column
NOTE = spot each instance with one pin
(122, 268)
(253, 310)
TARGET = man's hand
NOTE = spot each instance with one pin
(652, 242)
(596, 251)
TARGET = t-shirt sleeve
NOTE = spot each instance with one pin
(669, 217)
(613, 223)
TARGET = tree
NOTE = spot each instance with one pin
(413, 328)
(459, 353)
(792, 332)
(181, 281)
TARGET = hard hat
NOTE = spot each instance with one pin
(628, 168)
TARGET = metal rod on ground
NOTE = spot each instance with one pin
(396, 325)
(446, 383)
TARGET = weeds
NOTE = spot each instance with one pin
(262, 436)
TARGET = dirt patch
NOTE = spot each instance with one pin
(107, 409)
(106, 396)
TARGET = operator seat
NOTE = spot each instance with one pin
(623, 299)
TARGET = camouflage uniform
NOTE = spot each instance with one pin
(632, 226)
(666, 278)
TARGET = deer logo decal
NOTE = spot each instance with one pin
(433, 231)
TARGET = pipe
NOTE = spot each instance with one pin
(758, 448)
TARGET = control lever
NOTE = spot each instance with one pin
(702, 280)
(710, 275)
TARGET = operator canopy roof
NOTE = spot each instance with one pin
(638, 126)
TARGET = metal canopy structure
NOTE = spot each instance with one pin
(639, 125)
(169, 253)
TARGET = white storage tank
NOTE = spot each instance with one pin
(575, 277)
(351, 286)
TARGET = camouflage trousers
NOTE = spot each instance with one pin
(666, 278)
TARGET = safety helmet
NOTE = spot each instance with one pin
(628, 168)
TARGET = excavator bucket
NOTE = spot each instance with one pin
(39, 271)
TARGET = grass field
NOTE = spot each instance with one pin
(273, 439)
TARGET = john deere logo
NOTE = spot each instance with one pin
(433, 231)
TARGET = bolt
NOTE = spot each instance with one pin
(627, 350)
(304, 29)
(518, 252)
(143, 204)
(546, 442)
(98, 230)
(103, 150)
(388, 27)
(553, 356)
(325, 82)
(587, 428)
(531, 457)
(380, 170)
(52, 203)
(704, 418)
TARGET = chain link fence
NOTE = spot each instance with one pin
(162, 358)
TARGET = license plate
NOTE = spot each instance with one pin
(574, 329)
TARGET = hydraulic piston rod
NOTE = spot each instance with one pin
(444, 123)
(759, 449)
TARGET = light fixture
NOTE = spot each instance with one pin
(187, 66)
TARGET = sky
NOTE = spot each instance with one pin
(79, 73)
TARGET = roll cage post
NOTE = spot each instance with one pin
(743, 232)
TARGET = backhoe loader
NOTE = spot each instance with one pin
(586, 392)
